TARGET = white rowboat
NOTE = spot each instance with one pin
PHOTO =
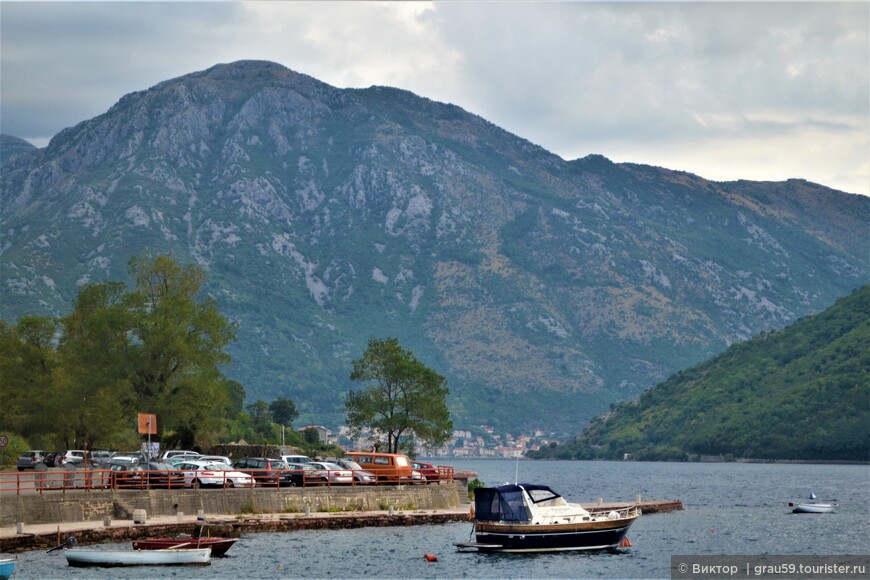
(83, 557)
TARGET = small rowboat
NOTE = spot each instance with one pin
(219, 546)
(83, 557)
(7, 565)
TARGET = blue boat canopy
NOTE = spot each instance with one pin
(505, 503)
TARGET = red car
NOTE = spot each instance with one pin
(429, 471)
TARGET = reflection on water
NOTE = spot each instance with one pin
(730, 509)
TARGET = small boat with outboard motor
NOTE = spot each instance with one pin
(813, 506)
(528, 517)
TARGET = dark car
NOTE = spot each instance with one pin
(53, 459)
(158, 474)
(303, 473)
(127, 475)
(29, 459)
(266, 471)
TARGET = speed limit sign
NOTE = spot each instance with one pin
(4, 440)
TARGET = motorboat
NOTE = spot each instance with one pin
(85, 557)
(219, 546)
(812, 506)
(7, 566)
(533, 518)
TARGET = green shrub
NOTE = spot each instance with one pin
(472, 485)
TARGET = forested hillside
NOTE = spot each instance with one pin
(799, 393)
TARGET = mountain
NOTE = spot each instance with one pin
(798, 393)
(543, 289)
(11, 146)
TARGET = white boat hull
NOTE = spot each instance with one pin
(813, 508)
(83, 557)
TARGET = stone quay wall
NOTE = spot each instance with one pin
(79, 506)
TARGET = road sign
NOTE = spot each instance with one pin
(147, 423)
(4, 440)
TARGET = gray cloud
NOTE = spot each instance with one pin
(725, 90)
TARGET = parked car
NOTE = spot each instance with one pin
(29, 459)
(389, 467)
(215, 459)
(127, 475)
(360, 475)
(129, 457)
(302, 474)
(51, 460)
(266, 470)
(203, 474)
(159, 474)
(74, 456)
(429, 471)
(99, 458)
(332, 473)
(179, 459)
(177, 453)
(296, 459)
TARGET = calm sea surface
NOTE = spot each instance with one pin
(730, 508)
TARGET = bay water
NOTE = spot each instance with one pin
(730, 509)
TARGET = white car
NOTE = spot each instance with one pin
(215, 459)
(167, 455)
(205, 474)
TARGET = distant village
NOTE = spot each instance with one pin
(462, 443)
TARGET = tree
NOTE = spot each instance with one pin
(94, 397)
(158, 349)
(311, 436)
(283, 411)
(178, 347)
(28, 361)
(402, 398)
(261, 419)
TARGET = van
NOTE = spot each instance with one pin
(388, 467)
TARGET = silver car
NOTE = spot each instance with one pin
(332, 473)
(360, 475)
(29, 459)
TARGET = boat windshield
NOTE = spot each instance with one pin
(541, 493)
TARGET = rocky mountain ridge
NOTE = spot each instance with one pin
(326, 216)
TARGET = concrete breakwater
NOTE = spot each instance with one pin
(77, 506)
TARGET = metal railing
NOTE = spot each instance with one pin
(101, 479)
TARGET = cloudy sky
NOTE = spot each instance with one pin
(745, 90)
